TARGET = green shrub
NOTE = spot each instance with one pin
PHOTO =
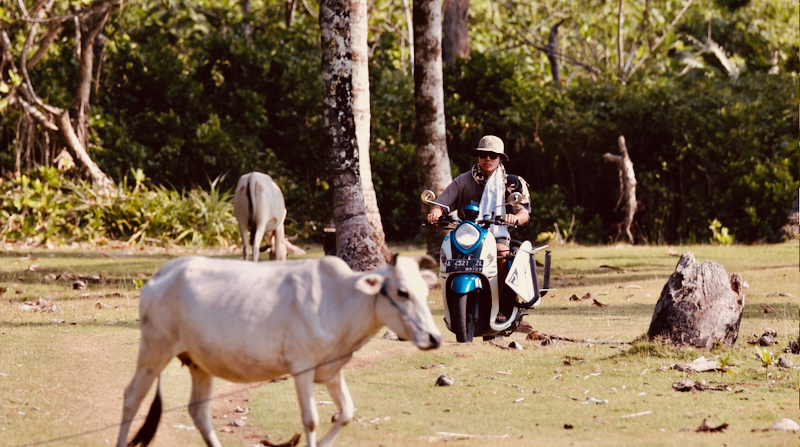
(50, 209)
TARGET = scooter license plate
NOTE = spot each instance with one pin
(463, 265)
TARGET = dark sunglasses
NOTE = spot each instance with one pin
(484, 154)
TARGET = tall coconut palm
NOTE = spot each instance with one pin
(354, 240)
(361, 111)
(433, 163)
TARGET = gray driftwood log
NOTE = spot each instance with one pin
(701, 304)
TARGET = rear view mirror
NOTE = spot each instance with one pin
(428, 196)
(515, 199)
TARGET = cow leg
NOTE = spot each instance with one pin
(146, 373)
(344, 403)
(280, 244)
(243, 232)
(200, 405)
(258, 236)
(304, 385)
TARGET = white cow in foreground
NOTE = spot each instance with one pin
(252, 322)
(260, 210)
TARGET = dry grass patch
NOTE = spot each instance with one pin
(64, 380)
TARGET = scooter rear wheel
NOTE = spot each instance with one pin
(461, 324)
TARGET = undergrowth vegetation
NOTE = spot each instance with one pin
(50, 209)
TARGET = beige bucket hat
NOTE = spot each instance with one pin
(491, 143)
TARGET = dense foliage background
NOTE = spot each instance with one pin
(185, 98)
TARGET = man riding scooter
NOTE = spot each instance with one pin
(488, 184)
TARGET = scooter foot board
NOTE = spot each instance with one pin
(521, 277)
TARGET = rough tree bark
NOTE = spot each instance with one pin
(455, 27)
(433, 163)
(80, 105)
(353, 234)
(700, 304)
(361, 112)
(627, 187)
(552, 53)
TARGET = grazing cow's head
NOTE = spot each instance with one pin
(402, 301)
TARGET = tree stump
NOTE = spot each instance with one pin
(701, 304)
(627, 187)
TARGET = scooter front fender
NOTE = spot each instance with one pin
(466, 283)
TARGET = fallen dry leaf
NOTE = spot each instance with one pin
(598, 303)
(588, 296)
(290, 443)
(574, 298)
(767, 309)
(708, 428)
(535, 335)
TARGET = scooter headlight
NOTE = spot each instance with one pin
(467, 236)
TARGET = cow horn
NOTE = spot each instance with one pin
(394, 259)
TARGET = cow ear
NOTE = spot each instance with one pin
(370, 284)
(430, 278)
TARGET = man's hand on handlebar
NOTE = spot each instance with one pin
(434, 215)
(511, 219)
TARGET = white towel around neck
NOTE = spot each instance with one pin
(493, 199)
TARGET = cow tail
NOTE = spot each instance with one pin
(251, 222)
(148, 430)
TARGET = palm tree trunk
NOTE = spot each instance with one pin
(361, 111)
(433, 163)
(354, 240)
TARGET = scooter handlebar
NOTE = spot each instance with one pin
(497, 220)
(444, 220)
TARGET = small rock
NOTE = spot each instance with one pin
(236, 423)
(389, 335)
(516, 345)
(548, 342)
(242, 410)
(786, 424)
(445, 380)
(767, 340)
(49, 277)
(783, 362)
(79, 285)
(793, 348)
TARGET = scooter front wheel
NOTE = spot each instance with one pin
(461, 323)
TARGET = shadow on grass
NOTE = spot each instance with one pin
(128, 324)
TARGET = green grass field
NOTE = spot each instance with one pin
(63, 370)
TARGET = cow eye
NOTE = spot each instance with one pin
(402, 293)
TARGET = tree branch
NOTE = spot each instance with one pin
(620, 21)
(34, 112)
(44, 45)
(659, 41)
